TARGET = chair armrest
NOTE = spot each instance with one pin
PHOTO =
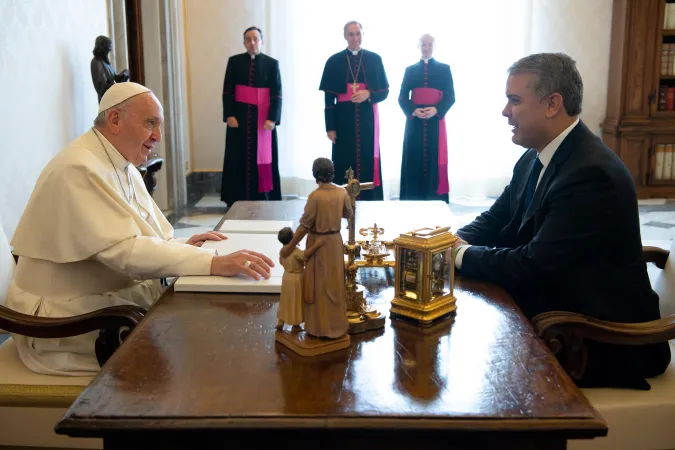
(153, 164)
(114, 323)
(148, 170)
(564, 332)
(655, 255)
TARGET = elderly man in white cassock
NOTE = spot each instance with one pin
(92, 237)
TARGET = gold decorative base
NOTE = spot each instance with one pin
(440, 327)
(425, 315)
(359, 318)
(356, 300)
(360, 323)
(306, 345)
(385, 262)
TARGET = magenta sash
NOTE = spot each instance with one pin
(347, 97)
(430, 96)
(259, 97)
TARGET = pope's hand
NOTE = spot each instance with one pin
(232, 122)
(198, 239)
(245, 262)
(269, 125)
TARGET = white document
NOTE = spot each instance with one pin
(254, 226)
(267, 244)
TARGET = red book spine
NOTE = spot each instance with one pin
(663, 93)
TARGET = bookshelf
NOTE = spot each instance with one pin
(639, 123)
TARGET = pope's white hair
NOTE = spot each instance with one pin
(99, 121)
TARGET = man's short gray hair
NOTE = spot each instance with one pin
(351, 22)
(99, 121)
(554, 73)
(427, 36)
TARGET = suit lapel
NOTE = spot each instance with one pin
(522, 187)
(563, 152)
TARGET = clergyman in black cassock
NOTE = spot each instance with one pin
(252, 110)
(427, 94)
(354, 82)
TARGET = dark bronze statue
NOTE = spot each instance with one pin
(102, 72)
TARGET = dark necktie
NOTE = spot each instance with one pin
(532, 182)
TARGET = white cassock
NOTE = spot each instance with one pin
(90, 237)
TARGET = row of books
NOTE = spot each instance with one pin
(666, 98)
(669, 17)
(664, 167)
(668, 59)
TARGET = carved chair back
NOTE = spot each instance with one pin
(664, 285)
(6, 266)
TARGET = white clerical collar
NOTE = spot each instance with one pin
(426, 60)
(252, 56)
(547, 153)
(354, 52)
(116, 157)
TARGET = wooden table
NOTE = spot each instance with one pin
(206, 366)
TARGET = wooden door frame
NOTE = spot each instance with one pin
(135, 40)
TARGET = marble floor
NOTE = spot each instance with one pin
(657, 217)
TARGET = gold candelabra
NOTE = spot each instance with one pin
(358, 314)
(376, 251)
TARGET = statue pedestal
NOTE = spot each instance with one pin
(306, 345)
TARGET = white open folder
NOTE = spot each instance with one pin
(255, 235)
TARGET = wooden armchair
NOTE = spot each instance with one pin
(564, 332)
(31, 404)
(149, 170)
(636, 419)
(113, 323)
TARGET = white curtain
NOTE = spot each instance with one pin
(479, 40)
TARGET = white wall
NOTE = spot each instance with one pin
(45, 85)
(213, 33)
(580, 28)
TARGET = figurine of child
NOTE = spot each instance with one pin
(291, 304)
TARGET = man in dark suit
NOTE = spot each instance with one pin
(565, 234)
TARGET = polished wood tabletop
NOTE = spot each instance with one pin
(209, 363)
(394, 217)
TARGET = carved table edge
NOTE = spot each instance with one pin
(571, 428)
